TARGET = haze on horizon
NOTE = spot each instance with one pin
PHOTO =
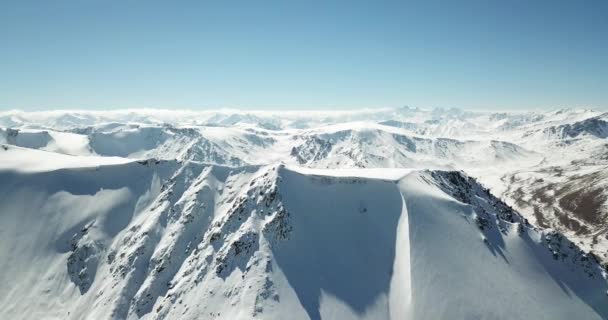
(273, 55)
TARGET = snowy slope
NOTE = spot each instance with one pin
(170, 240)
(496, 148)
(328, 215)
(24, 159)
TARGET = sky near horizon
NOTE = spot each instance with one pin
(483, 54)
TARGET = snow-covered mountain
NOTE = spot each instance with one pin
(374, 214)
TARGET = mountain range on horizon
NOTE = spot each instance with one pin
(393, 213)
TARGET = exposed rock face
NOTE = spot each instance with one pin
(220, 242)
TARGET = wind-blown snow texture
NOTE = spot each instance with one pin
(374, 214)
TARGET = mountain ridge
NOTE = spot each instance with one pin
(386, 214)
(157, 265)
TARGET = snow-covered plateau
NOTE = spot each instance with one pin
(370, 214)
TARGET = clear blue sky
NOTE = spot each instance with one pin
(509, 54)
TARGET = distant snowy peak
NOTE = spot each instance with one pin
(278, 120)
(164, 142)
(25, 139)
(593, 127)
(348, 145)
(378, 148)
